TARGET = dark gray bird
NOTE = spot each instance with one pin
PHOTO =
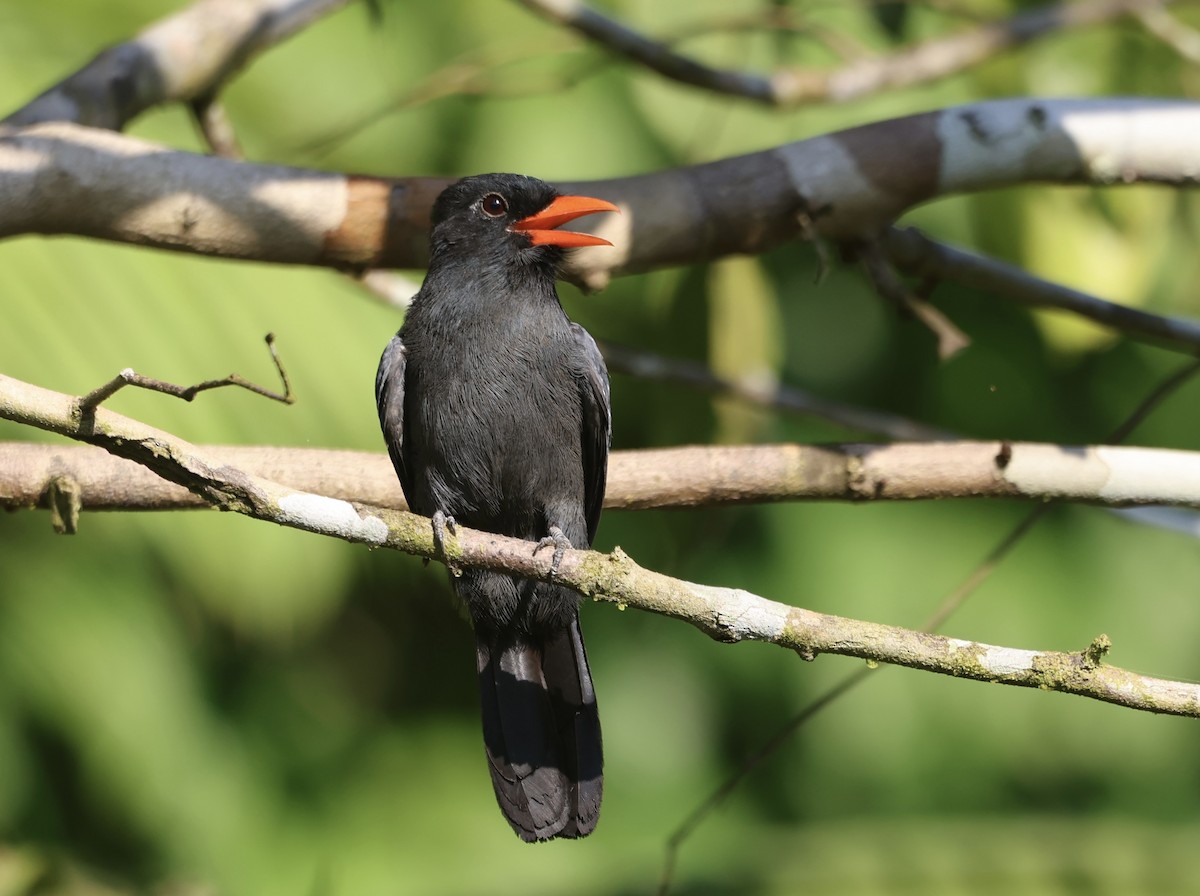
(495, 409)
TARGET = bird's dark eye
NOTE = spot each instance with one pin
(493, 205)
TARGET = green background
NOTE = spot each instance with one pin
(199, 703)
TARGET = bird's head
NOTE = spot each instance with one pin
(512, 217)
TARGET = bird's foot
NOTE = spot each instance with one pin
(559, 542)
(442, 523)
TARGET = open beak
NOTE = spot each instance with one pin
(540, 227)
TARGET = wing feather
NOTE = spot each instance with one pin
(597, 425)
(389, 400)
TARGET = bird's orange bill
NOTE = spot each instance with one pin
(540, 227)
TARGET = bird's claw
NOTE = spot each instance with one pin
(443, 522)
(559, 542)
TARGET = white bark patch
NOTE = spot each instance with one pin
(824, 174)
(1112, 474)
(995, 660)
(994, 143)
(1170, 476)
(1052, 470)
(1136, 137)
(742, 614)
(1010, 141)
(330, 516)
(1006, 660)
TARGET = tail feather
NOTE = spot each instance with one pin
(541, 730)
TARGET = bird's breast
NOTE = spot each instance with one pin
(495, 425)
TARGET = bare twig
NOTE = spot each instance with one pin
(128, 377)
(473, 74)
(923, 62)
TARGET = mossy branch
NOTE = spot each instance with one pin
(725, 614)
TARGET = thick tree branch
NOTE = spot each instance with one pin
(722, 613)
(65, 179)
(648, 478)
(180, 58)
(920, 63)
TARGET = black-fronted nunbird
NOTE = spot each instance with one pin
(495, 409)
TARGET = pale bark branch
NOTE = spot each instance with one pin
(793, 86)
(183, 57)
(724, 614)
(693, 476)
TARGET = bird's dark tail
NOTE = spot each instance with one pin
(542, 732)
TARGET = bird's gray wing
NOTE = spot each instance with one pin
(597, 425)
(389, 399)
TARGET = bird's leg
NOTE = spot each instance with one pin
(559, 542)
(441, 523)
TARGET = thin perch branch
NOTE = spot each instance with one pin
(724, 614)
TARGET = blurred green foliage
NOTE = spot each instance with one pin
(197, 703)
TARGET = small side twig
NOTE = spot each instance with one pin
(128, 377)
(951, 340)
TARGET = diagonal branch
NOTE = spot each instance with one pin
(951, 340)
(917, 254)
(724, 614)
(652, 366)
(788, 87)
